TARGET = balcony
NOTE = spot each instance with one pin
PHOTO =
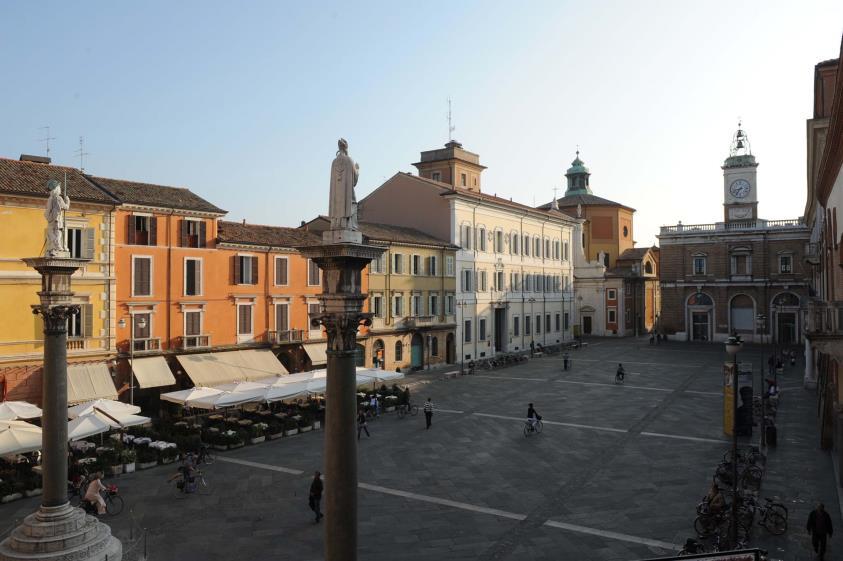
(287, 336)
(75, 344)
(194, 341)
(146, 345)
(410, 322)
(740, 226)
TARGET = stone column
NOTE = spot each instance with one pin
(342, 304)
(57, 531)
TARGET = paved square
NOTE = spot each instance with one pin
(616, 473)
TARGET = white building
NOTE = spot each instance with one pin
(515, 265)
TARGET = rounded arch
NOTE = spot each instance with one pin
(699, 316)
(742, 314)
(399, 351)
(648, 267)
(699, 299)
(784, 308)
(378, 354)
(785, 299)
(417, 351)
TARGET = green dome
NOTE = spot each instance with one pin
(577, 167)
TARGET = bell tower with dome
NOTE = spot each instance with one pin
(740, 194)
(578, 178)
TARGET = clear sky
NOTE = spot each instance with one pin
(243, 101)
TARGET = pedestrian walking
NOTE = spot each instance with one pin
(566, 360)
(315, 497)
(375, 405)
(532, 348)
(428, 412)
(362, 425)
(819, 526)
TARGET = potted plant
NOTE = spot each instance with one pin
(146, 457)
(7, 492)
(305, 421)
(129, 456)
(168, 455)
(217, 440)
(274, 429)
(32, 485)
(238, 438)
(111, 459)
(257, 433)
(291, 427)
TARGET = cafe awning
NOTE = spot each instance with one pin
(152, 372)
(86, 382)
(318, 353)
(259, 364)
(214, 369)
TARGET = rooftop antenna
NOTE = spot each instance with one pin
(47, 138)
(451, 126)
(81, 153)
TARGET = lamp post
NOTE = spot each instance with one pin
(141, 325)
(533, 330)
(460, 307)
(733, 345)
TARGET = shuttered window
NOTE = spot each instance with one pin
(244, 319)
(245, 269)
(312, 273)
(192, 277)
(282, 317)
(192, 233)
(141, 276)
(141, 326)
(281, 268)
(142, 230)
(192, 323)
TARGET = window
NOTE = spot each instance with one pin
(547, 323)
(516, 326)
(466, 280)
(244, 321)
(397, 264)
(467, 331)
(142, 230)
(449, 305)
(313, 273)
(376, 306)
(80, 242)
(612, 294)
(376, 266)
(741, 264)
(481, 281)
(564, 251)
(416, 267)
(434, 346)
(537, 248)
(538, 324)
(557, 250)
(498, 241)
(566, 324)
(558, 323)
(74, 323)
(282, 268)
(433, 305)
(398, 305)
(399, 351)
(612, 315)
(648, 268)
(481, 329)
(141, 333)
(314, 310)
(785, 264)
(432, 266)
(192, 233)
(282, 316)
(499, 284)
(516, 282)
(526, 245)
(192, 327)
(141, 276)
(192, 277)
(436, 176)
(463, 180)
(245, 269)
(466, 236)
(547, 249)
(528, 282)
(699, 265)
(481, 239)
(449, 266)
(417, 305)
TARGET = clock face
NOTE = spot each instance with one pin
(739, 188)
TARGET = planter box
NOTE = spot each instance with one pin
(291, 432)
(390, 408)
(115, 470)
(147, 465)
(32, 492)
(317, 425)
(222, 447)
(129, 468)
(307, 428)
(257, 439)
(233, 446)
(167, 460)
(10, 498)
(274, 436)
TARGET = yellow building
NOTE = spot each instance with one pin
(412, 289)
(23, 196)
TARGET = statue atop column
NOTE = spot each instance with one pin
(57, 205)
(342, 208)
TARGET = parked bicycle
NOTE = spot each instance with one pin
(773, 515)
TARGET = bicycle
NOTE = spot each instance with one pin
(205, 456)
(407, 409)
(773, 515)
(619, 376)
(113, 502)
(198, 484)
(531, 428)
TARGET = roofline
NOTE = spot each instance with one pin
(249, 245)
(93, 180)
(517, 206)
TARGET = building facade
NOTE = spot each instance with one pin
(90, 235)
(744, 275)
(515, 263)
(632, 287)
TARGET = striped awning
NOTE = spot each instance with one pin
(86, 382)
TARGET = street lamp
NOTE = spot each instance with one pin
(141, 325)
(733, 345)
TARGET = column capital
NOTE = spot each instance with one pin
(55, 317)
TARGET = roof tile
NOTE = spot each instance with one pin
(148, 194)
(30, 179)
(258, 234)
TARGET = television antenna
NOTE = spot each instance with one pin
(47, 138)
(451, 126)
(81, 153)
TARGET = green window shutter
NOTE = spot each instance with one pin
(88, 320)
(183, 233)
(203, 232)
(236, 269)
(130, 229)
(153, 230)
(88, 243)
(254, 270)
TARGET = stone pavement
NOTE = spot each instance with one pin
(615, 475)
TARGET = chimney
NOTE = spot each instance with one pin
(244, 222)
(34, 159)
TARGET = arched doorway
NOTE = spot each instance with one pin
(450, 349)
(378, 354)
(417, 352)
(700, 312)
(786, 309)
(742, 315)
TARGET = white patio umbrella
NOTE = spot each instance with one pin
(243, 386)
(120, 421)
(377, 375)
(18, 437)
(109, 406)
(227, 399)
(281, 392)
(11, 410)
(85, 426)
(183, 397)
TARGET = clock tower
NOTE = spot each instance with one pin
(740, 199)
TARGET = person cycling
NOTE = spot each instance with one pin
(93, 494)
(187, 475)
(620, 373)
(532, 416)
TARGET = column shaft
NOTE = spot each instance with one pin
(54, 417)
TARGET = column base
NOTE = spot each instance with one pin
(61, 533)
